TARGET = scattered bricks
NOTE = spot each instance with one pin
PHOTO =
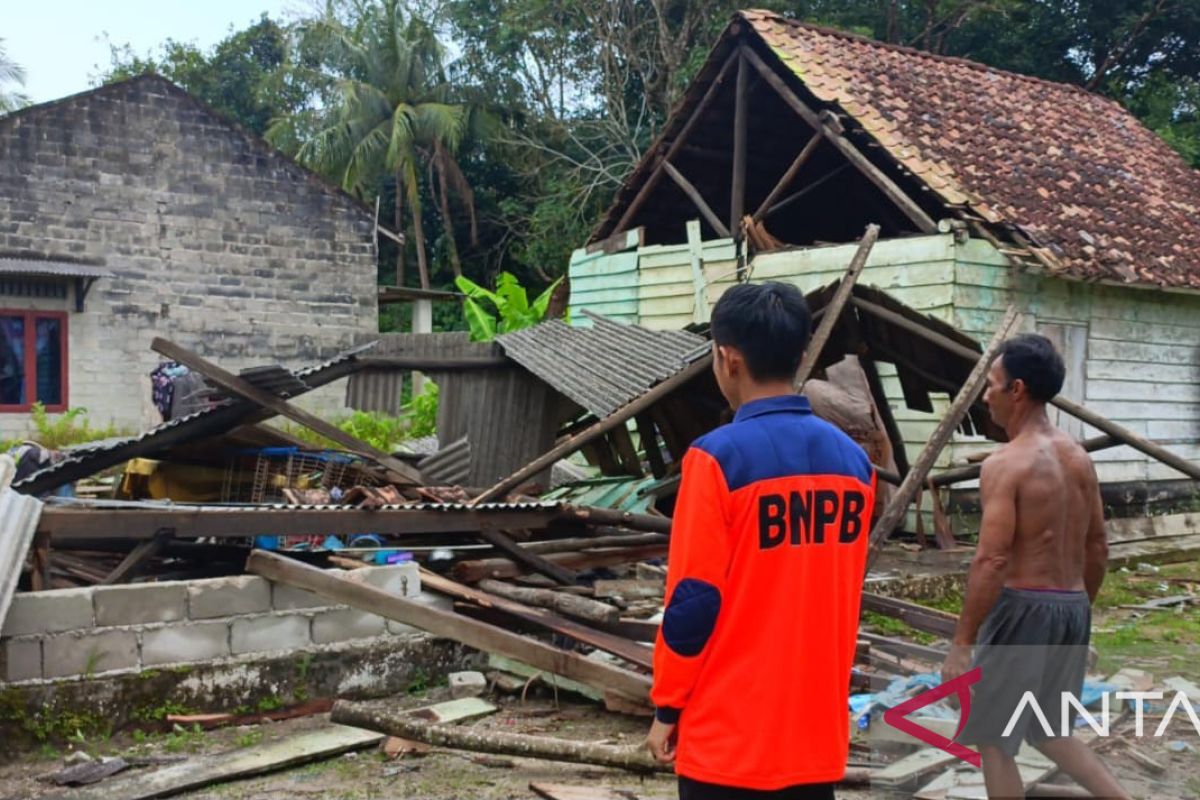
(228, 597)
(49, 612)
(289, 598)
(467, 684)
(402, 579)
(140, 603)
(197, 641)
(89, 653)
(20, 660)
(346, 623)
(271, 632)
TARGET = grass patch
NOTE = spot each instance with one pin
(890, 626)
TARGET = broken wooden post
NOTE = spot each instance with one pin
(582, 607)
(598, 429)
(971, 472)
(138, 558)
(884, 407)
(833, 311)
(898, 505)
(621, 646)
(644, 193)
(697, 199)
(383, 719)
(873, 173)
(479, 635)
(525, 558)
(1074, 409)
(240, 387)
(788, 177)
(737, 195)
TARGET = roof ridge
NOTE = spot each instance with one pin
(751, 14)
(258, 142)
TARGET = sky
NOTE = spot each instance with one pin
(61, 44)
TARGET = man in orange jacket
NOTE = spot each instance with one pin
(764, 581)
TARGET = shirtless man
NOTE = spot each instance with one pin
(1041, 558)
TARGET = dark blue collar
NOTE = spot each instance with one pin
(794, 403)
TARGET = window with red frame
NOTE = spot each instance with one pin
(33, 360)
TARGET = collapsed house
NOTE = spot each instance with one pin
(990, 188)
(528, 538)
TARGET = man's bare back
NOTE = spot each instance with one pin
(1056, 501)
(1041, 545)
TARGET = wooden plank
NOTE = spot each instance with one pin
(202, 771)
(700, 311)
(523, 597)
(626, 451)
(530, 560)
(242, 522)
(649, 441)
(884, 407)
(737, 199)
(472, 571)
(232, 383)
(561, 791)
(481, 636)
(885, 184)
(833, 311)
(789, 175)
(138, 558)
(618, 417)
(651, 182)
(897, 506)
(697, 199)
(622, 240)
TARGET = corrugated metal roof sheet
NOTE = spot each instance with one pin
(88, 459)
(450, 466)
(620, 493)
(267, 508)
(19, 516)
(605, 366)
(63, 269)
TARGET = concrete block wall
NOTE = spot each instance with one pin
(106, 630)
(215, 241)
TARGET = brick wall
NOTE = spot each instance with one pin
(217, 241)
(104, 630)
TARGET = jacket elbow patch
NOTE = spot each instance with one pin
(691, 616)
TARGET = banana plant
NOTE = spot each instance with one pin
(510, 307)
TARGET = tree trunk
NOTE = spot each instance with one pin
(399, 227)
(447, 223)
(419, 232)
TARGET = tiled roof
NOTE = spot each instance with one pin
(1072, 171)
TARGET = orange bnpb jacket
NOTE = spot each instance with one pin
(764, 583)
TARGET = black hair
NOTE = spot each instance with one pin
(1033, 359)
(769, 323)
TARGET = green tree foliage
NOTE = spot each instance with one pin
(494, 132)
(505, 310)
(391, 114)
(10, 73)
(248, 76)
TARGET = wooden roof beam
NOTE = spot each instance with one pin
(843, 145)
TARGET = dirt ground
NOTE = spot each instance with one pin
(1164, 642)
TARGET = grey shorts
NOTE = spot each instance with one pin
(1033, 641)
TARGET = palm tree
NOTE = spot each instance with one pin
(390, 115)
(10, 72)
